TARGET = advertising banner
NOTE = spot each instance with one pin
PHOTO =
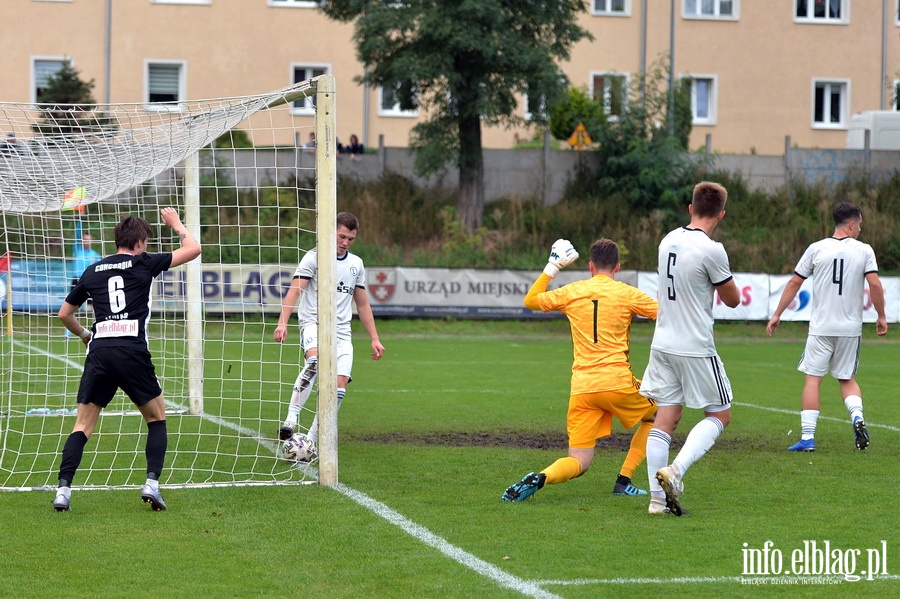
(414, 292)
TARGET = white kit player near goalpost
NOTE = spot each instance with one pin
(351, 287)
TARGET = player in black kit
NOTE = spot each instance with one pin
(118, 354)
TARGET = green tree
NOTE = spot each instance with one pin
(577, 106)
(68, 108)
(464, 63)
(640, 160)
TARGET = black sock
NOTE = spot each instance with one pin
(73, 450)
(623, 480)
(155, 450)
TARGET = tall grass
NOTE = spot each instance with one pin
(763, 231)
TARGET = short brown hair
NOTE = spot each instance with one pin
(346, 219)
(132, 230)
(604, 254)
(708, 199)
(845, 211)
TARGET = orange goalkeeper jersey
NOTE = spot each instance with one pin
(599, 310)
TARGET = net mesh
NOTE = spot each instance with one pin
(72, 172)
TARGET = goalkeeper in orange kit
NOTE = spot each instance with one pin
(600, 310)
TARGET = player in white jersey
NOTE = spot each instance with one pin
(351, 287)
(684, 368)
(840, 266)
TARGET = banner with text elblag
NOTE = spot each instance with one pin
(420, 292)
(813, 561)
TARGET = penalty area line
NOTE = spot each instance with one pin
(460, 556)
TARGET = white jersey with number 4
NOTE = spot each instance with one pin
(838, 268)
(691, 265)
(350, 274)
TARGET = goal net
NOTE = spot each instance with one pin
(235, 170)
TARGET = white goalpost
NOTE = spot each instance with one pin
(256, 200)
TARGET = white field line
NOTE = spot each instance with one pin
(458, 555)
(831, 418)
(529, 588)
(417, 531)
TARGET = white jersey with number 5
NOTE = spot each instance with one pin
(838, 268)
(691, 265)
(350, 274)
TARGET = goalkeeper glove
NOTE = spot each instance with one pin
(562, 253)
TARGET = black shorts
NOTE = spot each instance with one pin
(108, 369)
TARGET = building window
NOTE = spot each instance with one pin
(165, 85)
(611, 7)
(389, 101)
(703, 98)
(821, 11)
(42, 70)
(831, 101)
(611, 90)
(294, 3)
(302, 72)
(711, 9)
(895, 95)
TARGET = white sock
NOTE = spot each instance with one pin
(658, 443)
(808, 419)
(854, 406)
(698, 442)
(314, 428)
(301, 392)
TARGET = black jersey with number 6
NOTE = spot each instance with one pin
(120, 287)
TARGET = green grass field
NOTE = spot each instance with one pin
(431, 436)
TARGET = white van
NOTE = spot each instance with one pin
(883, 127)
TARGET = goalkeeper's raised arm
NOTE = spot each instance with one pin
(562, 253)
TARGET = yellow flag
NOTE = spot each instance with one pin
(74, 199)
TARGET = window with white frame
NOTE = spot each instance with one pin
(703, 98)
(895, 95)
(535, 107)
(41, 71)
(821, 11)
(611, 90)
(831, 101)
(302, 72)
(711, 9)
(389, 102)
(294, 3)
(165, 84)
(611, 7)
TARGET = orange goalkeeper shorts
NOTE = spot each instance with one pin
(590, 414)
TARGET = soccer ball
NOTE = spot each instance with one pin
(299, 448)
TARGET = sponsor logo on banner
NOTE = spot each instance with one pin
(384, 286)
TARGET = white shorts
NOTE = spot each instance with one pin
(840, 353)
(309, 339)
(699, 383)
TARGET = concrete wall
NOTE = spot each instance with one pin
(543, 174)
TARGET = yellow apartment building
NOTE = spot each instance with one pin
(760, 70)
